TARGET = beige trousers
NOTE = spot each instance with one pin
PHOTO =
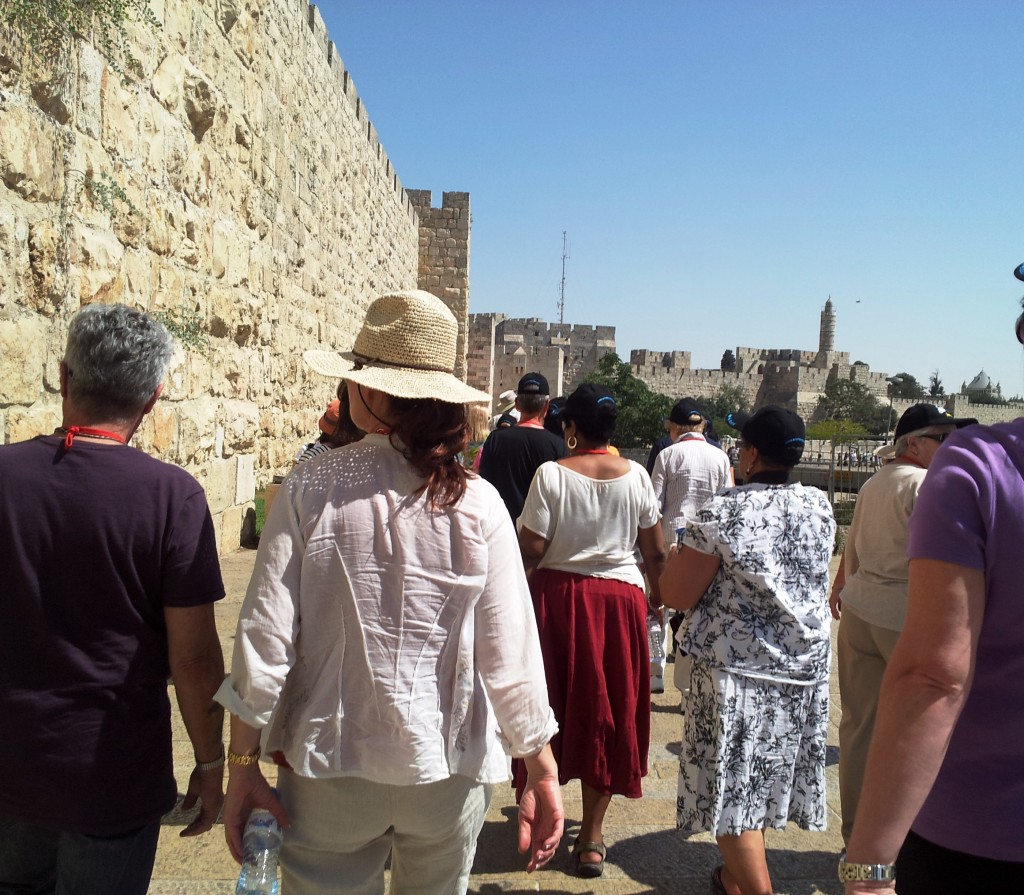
(864, 651)
(343, 829)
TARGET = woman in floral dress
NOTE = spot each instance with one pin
(752, 576)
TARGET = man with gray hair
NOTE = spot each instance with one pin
(870, 590)
(110, 574)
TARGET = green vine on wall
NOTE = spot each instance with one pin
(46, 25)
(187, 326)
(106, 192)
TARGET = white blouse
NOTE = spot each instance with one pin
(383, 640)
(590, 524)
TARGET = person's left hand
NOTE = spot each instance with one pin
(206, 788)
(541, 820)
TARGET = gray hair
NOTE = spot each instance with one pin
(531, 404)
(116, 357)
(903, 442)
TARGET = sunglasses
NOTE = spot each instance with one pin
(939, 438)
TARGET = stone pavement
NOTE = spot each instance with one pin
(646, 856)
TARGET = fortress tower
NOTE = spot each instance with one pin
(827, 333)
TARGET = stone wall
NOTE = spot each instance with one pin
(260, 205)
(444, 257)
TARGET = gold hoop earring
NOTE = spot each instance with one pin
(571, 442)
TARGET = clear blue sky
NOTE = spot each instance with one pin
(722, 167)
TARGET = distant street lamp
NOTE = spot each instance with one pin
(894, 383)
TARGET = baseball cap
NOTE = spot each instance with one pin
(922, 416)
(533, 384)
(776, 432)
(686, 412)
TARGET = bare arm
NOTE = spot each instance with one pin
(533, 547)
(687, 576)
(651, 542)
(835, 600)
(197, 667)
(923, 693)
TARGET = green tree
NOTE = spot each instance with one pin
(728, 361)
(727, 399)
(845, 399)
(935, 389)
(640, 410)
(836, 431)
(903, 385)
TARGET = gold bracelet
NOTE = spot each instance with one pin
(234, 758)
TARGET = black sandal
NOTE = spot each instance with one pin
(589, 870)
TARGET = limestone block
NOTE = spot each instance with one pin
(163, 430)
(30, 161)
(230, 254)
(121, 122)
(197, 420)
(176, 380)
(168, 80)
(232, 520)
(22, 358)
(96, 258)
(138, 277)
(241, 422)
(15, 264)
(161, 237)
(219, 482)
(196, 178)
(245, 484)
(89, 118)
(164, 141)
(27, 422)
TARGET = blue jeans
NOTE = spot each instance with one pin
(37, 861)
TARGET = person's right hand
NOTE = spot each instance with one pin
(247, 790)
(835, 602)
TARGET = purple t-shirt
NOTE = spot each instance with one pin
(94, 543)
(970, 511)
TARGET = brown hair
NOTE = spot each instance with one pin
(345, 431)
(433, 433)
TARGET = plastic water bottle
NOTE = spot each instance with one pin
(261, 844)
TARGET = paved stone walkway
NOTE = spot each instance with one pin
(645, 853)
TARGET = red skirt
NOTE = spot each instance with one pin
(593, 635)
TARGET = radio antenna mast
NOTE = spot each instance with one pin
(561, 289)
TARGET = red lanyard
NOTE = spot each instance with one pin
(72, 431)
(579, 451)
(910, 459)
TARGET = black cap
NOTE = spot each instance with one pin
(776, 432)
(506, 421)
(923, 416)
(686, 412)
(553, 419)
(590, 400)
(533, 384)
(1019, 272)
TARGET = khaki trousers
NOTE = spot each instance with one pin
(343, 829)
(864, 650)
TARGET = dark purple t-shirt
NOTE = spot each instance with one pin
(94, 543)
(970, 511)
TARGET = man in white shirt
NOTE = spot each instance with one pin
(686, 474)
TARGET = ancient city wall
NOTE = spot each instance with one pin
(259, 207)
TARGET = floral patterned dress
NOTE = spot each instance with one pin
(756, 717)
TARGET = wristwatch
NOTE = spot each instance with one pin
(865, 873)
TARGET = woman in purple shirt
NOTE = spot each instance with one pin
(943, 799)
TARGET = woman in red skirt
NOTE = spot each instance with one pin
(582, 517)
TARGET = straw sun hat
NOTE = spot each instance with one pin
(405, 348)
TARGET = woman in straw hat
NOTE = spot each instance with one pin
(387, 633)
(582, 517)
